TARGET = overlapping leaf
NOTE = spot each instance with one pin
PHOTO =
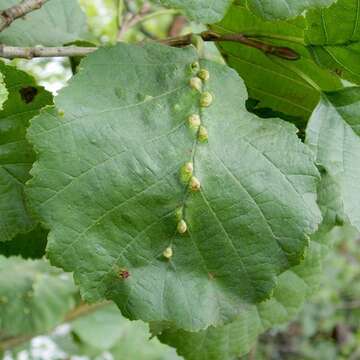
(333, 133)
(34, 297)
(236, 339)
(336, 48)
(3, 91)
(282, 9)
(211, 11)
(203, 11)
(106, 330)
(289, 87)
(16, 155)
(107, 183)
(58, 22)
(29, 245)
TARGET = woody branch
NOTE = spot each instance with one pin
(11, 52)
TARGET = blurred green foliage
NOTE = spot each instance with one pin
(328, 328)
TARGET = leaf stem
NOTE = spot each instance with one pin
(279, 51)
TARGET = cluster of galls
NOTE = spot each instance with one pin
(194, 122)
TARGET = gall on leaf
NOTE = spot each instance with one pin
(168, 253)
(206, 99)
(196, 83)
(182, 227)
(204, 75)
(123, 274)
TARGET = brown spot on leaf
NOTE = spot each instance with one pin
(28, 94)
(124, 274)
(211, 276)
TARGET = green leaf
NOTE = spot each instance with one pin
(16, 155)
(29, 245)
(333, 133)
(289, 87)
(282, 9)
(107, 330)
(204, 11)
(58, 22)
(34, 297)
(3, 91)
(336, 48)
(236, 339)
(108, 185)
(321, 26)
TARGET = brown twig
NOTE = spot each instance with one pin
(7, 16)
(11, 52)
(279, 51)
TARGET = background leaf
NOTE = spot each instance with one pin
(58, 22)
(107, 183)
(29, 245)
(16, 155)
(204, 11)
(107, 330)
(289, 87)
(34, 297)
(336, 50)
(281, 9)
(333, 133)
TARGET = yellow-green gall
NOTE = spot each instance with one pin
(168, 253)
(182, 227)
(196, 83)
(195, 66)
(203, 135)
(204, 75)
(61, 113)
(194, 121)
(206, 99)
(186, 171)
(195, 184)
(189, 167)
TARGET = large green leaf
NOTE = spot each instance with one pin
(289, 87)
(34, 297)
(58, 22)
(282, 9)
(203, 11)
(16, 155)
(108, 185)
(237, 339)
(333, 133)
